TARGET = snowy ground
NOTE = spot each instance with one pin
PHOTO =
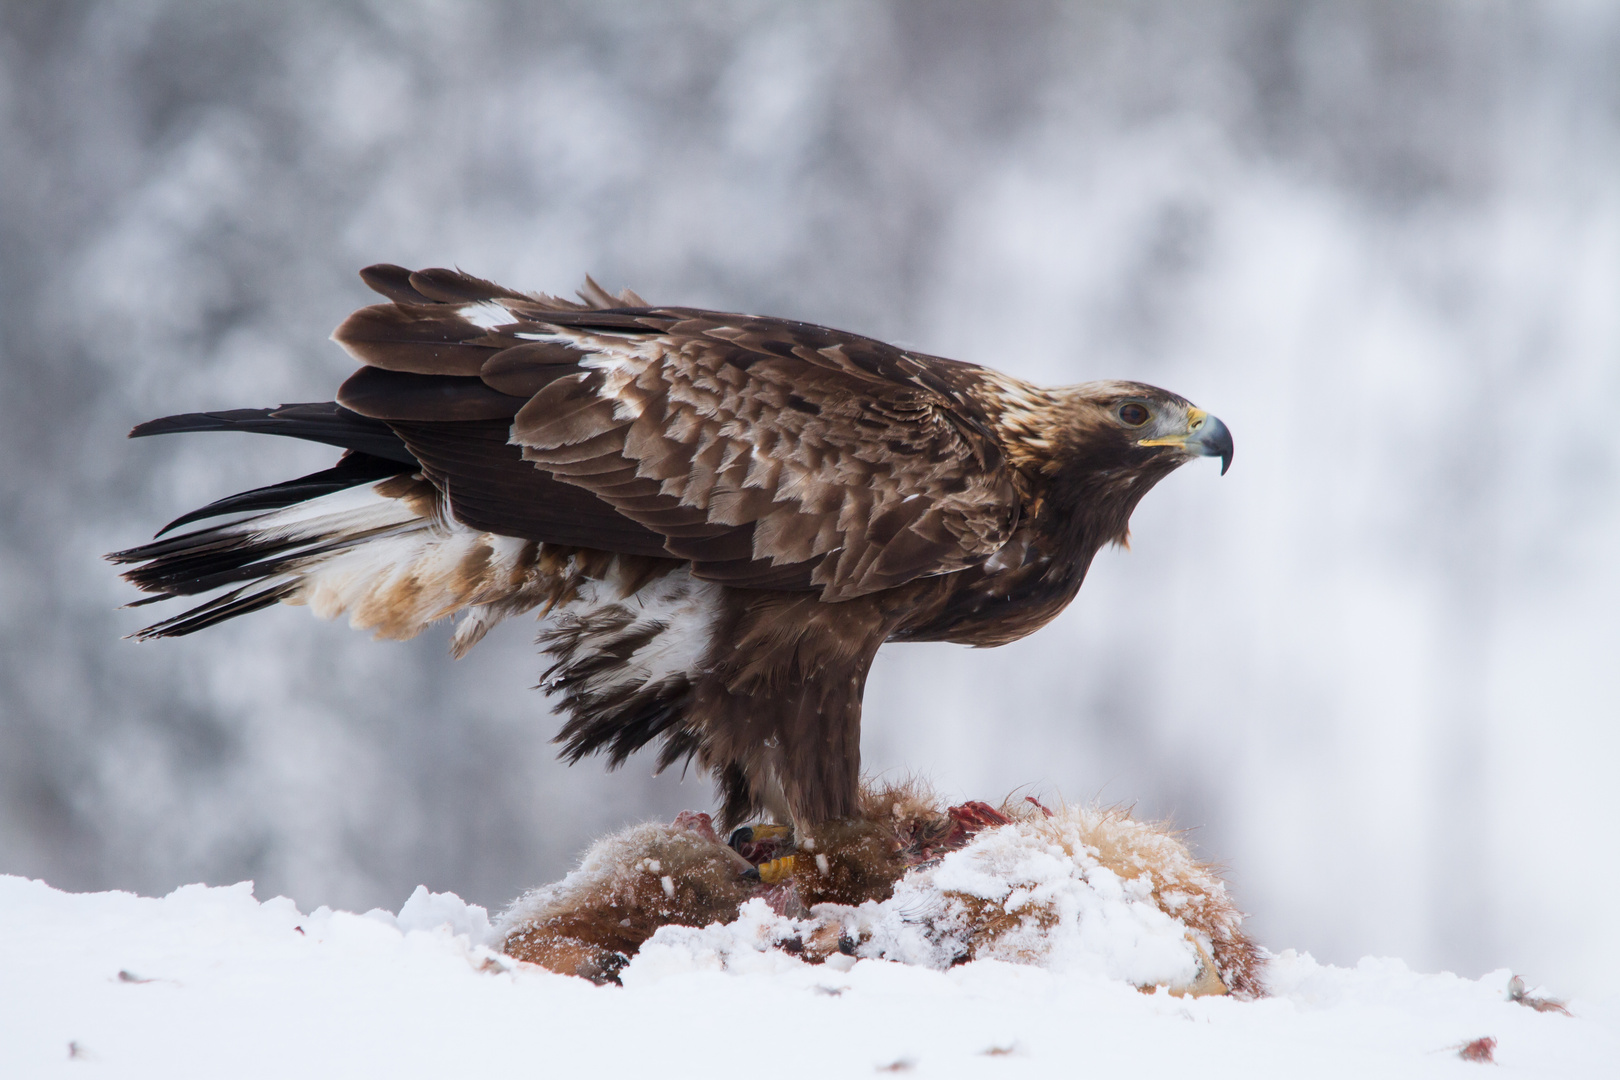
(212, 982)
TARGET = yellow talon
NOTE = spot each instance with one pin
(777, 870)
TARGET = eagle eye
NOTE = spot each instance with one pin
(1133, 414)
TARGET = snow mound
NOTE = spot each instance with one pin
(433, 911)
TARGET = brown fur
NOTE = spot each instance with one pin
(848, 862)
(628, 886)
(900, 825)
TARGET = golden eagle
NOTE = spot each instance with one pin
(720, 517)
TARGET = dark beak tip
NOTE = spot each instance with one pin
(1226, 463)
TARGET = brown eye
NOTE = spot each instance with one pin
(1133, 414)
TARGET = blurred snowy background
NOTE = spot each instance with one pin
(1375, 667)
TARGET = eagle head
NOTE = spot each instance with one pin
(1161, 425)
(1112, 441)
(1140, 428)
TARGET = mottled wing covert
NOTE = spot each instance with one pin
(772, 454)
(765, 450)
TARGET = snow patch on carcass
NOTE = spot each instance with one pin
(1039, 892)
(747, 945)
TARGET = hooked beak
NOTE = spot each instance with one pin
(1206, 437)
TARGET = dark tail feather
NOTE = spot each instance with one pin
(259, 552)
(323, 422)
(211, 558)
(355, 468)
(265, 556)
(217, 610)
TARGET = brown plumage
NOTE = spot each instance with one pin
(721, 517)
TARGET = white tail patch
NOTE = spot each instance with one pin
(353, 512)
(388, 566)
(385, 556)
(397, 585)
(378, 560)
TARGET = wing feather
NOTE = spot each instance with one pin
(846, 468)
(771, 453)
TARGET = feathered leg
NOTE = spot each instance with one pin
(778, 709)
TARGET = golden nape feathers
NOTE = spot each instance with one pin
(909, 880)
